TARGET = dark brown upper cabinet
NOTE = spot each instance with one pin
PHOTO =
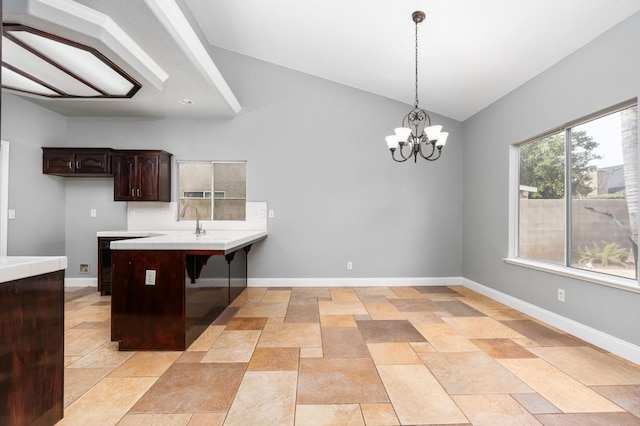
(77, 162)
(142, 175)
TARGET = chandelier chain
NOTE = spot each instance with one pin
(416, 104)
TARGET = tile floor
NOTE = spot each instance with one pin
(348, 356)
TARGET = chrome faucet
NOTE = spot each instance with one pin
(199, 230)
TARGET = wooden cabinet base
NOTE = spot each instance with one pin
(156, 306)
(31, 350)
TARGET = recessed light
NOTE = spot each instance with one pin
(186, 101)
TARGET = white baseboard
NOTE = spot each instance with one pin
(81, 282)
(598, 338)
(352, 282)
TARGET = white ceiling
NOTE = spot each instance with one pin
(471, 52)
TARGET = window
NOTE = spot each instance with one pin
(578, 195)
(217, 190)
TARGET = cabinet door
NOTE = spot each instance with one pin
(125, 178)
(147, 177)
(93, 163)
(58, 162)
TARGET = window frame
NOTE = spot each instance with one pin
(514, 182)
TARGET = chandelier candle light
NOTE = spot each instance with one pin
(416, 129)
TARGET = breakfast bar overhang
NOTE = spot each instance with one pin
(167, 289)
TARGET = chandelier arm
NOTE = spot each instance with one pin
(393, 155)
(431, 157)
(433, 150)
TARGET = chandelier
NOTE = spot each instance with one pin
(417, 134)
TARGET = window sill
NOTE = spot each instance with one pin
(593, 277)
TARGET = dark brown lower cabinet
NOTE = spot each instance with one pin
(104, 263)
(32, 350)
(164, 300)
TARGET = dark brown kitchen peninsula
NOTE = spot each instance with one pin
(167, 289)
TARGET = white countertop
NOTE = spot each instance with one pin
(18, 267)
(181, 240)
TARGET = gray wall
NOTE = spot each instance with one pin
(316, 153)
(39, 200)
(599, 75)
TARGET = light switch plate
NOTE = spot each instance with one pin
(150, 277)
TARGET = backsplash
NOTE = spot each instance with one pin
(150, 216)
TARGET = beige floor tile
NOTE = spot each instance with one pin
(276, 296)
(341, 308)
(155, 420)
(339, 294)
(206, 339)
(561, 390)
(481, 328)
(393, 353)
(422, 347)
(502, 348)
(93, 313)
(589, 366)
(81, 341)
(504, 315)
(481, 303)
(445, 339)
(233, 346)
(472, 373)
(423, 317)
(535, 403)
(264, 398)
(374, 291)
(274, 359)
(107, 402)
(77, 381)
(494, 410)
(150, 364)
(193, 388)
(343, 342)
(253, 309)
(339, 381)
(207, 419)
(589, 419)
(417, 397)
(627, 397)
(302, 314)
(290, 335)
(68, 360)
(311, 353)
(191, 356)
(329, 415)
(379, 414)
(383, 311)
(337, 321)
(407, 293)
(246, 323)
(105, 356)
(253, 294)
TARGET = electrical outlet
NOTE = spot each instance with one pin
(272, 213)
(349, 265)
(12, 214)
(560, 295)
(93, 212)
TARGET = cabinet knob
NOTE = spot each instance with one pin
(78, 165)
